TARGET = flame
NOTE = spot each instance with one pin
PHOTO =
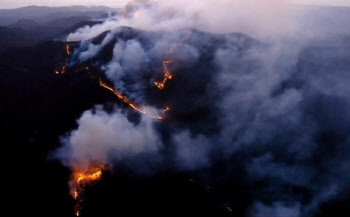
(68, 49)
(129, 102)
(167, 62)
(82, 178)
(167, 74)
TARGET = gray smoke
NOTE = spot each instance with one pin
(280, 106)
(100, 133)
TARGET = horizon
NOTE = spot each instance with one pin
(9, 4)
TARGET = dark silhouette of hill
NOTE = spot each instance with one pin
(44, 15)
(31, 25)
(10, 37)
(25, 24)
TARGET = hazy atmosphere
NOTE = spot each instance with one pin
(118, 3)
(219, 108)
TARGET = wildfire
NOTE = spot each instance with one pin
(167, 74)
(166, 63)
(81, 179)
(68, 49)
(129, 102)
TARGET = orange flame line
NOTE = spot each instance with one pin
(166, 63)
(127, 101)
(167, 75)
(81, 179)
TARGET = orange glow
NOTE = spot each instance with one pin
(63, 70)
(68, 49)
(81, 179)
(167, 74)
(166, 63)
(128, 101)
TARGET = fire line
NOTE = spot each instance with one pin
(81, 179)
(166, 71)
(129, 102)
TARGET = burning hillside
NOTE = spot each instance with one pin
(222, 99)
(219, 108)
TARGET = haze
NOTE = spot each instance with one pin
(118, 3)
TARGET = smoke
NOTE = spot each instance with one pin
(281, 107)
(278, 209)
(92, 49)
(191, 153)
(101, 133)
(258, 18)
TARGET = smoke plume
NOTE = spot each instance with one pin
(279, 106)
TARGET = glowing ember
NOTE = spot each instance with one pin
(63, 70)
(68, 49)
(82, 178)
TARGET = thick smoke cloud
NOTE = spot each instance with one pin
(100, 133)
(259, 18)
(281, 107)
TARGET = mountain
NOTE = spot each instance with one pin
(30, 25)
(10, 37)
(44, 15)
(25, 24)
(275, 118)
(40, 106)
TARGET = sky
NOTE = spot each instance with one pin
(117, 3)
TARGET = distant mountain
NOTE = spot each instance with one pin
(71, 21)
(25, 24)
(44, 15)
(77, 26)
(28, 26)
(16, 37)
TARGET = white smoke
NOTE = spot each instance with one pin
(258, 18)
(93, 49)
(100, 134)
(252, 114)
